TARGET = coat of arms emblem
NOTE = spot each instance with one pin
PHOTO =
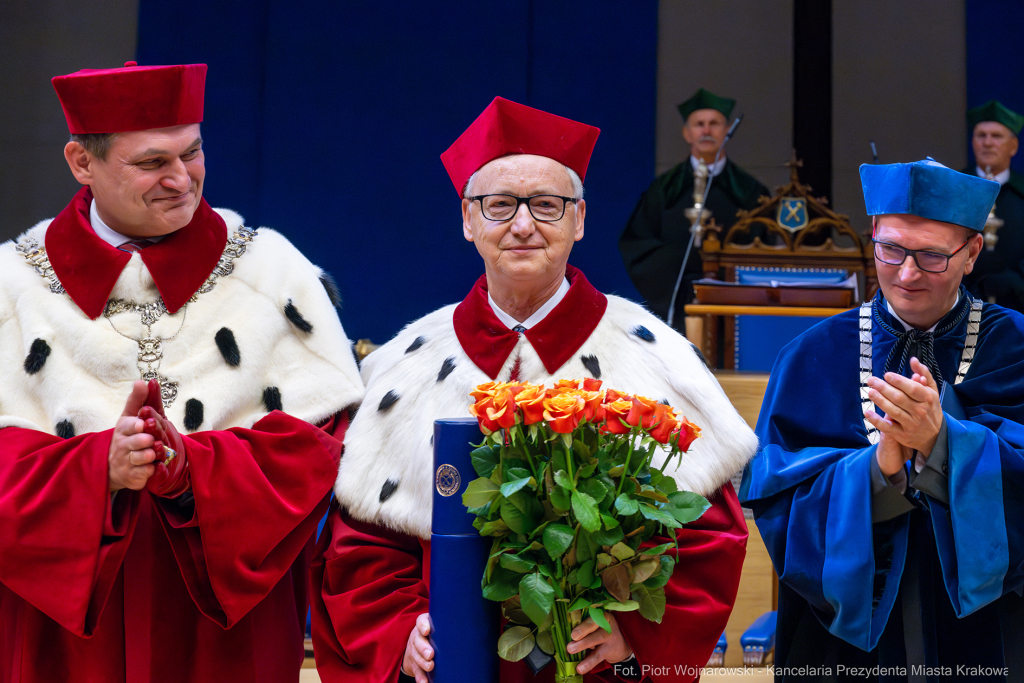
(792, 213)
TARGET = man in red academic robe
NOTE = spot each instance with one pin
(131, 551)
(530, 317)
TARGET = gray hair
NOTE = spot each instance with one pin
(577, 184)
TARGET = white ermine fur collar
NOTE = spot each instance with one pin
(631, 350)
(266, 336)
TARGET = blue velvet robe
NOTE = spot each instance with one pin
(847, 584)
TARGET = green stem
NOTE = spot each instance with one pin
(647, 461)
(671, 456)
(529, 458)
(625, 468)
(561, 628)
(568, 464)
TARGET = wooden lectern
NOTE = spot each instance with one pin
(807, 239)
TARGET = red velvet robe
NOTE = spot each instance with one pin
(142, 592)
(133, 588)
(369, 582)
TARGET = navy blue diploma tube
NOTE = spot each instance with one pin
(465, 626)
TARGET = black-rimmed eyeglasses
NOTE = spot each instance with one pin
(928, 261)
(546, 208)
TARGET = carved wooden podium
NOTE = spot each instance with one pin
(806, 239)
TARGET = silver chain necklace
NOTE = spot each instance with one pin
(151, 349)
(150, 346)
(864, 325)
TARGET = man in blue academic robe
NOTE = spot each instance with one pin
(893, 517)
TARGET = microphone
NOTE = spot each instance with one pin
(695, 229)
(732, 129)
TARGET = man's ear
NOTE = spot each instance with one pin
(467, 229)
(973, 250)
(80, 162)
(581, 213)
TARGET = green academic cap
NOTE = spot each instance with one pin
(704, 99)
(993, 110)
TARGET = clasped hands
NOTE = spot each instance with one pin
(139, 445)
(607, 647)
(913, 416)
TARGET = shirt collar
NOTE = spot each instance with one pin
(907, 327)
(1002, 177)
(108, 234)
(556, 337)
(88, 266)
(537, 316)
(715, 168)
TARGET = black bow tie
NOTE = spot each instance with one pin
(915, 343)
(919, 343)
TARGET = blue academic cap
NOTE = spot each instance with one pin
(929, 190)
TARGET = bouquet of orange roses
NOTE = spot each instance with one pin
(571, 489)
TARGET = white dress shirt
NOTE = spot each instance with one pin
(108, 234)
(715, 168)
(538, 315)
(1002, 177)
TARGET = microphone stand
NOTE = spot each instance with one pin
(696, 228)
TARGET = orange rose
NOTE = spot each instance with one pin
(687, 432)
(592, 400)
(530, 400)
(497, 410)
(613, 395)
(566, 384)
(493, 388)
(563, 412)
(613, 412)
(591, 384)
(663, 423)
(484, 390)
(479, 411)
(642, 411)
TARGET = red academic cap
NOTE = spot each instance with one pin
(132, 98)
(506, 127)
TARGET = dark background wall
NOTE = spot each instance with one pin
(326, 120)
(40, 39)
(737, 49)
(898, 78)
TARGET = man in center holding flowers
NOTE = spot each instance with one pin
(530, 318)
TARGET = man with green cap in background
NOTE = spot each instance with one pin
(999, 272)
(655, 238)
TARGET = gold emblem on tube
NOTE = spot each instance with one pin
(447, 480)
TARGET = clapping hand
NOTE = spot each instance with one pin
(913, 415)
(131, 454)
(170, 478)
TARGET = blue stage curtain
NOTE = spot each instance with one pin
(325, 120)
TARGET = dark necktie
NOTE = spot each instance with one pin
(135, 245)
